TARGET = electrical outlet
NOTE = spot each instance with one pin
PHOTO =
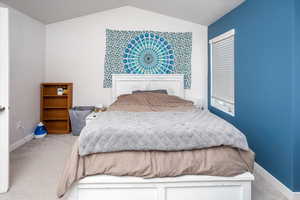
(19, 125)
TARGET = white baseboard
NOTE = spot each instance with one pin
(20, 142)
(289, 194)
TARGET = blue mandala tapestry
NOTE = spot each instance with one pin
(147, 52)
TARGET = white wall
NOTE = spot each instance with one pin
(27, 63)
(75, 50)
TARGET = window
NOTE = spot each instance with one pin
(222, 72)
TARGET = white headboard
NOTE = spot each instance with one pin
(126, 83)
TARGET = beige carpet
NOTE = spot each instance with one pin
(35, 168)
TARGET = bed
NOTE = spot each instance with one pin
(174, 170)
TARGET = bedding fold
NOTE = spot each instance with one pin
(162, 131)
(217, 161)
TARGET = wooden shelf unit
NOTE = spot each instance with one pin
(55, 108)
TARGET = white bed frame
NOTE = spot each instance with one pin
(126, 83)
(195, 187)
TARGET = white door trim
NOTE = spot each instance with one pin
(4, 99)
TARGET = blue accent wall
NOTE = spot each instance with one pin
(265, 82)
(296, 102)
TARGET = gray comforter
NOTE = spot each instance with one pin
(166, 131)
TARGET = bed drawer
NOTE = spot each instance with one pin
(166, 192)
(119, 194)
(104, 187)
(199, 193)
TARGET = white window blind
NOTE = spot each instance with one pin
(222, 72)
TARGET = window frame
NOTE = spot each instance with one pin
(227, 108)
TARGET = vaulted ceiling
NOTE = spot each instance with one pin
(202, 12)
